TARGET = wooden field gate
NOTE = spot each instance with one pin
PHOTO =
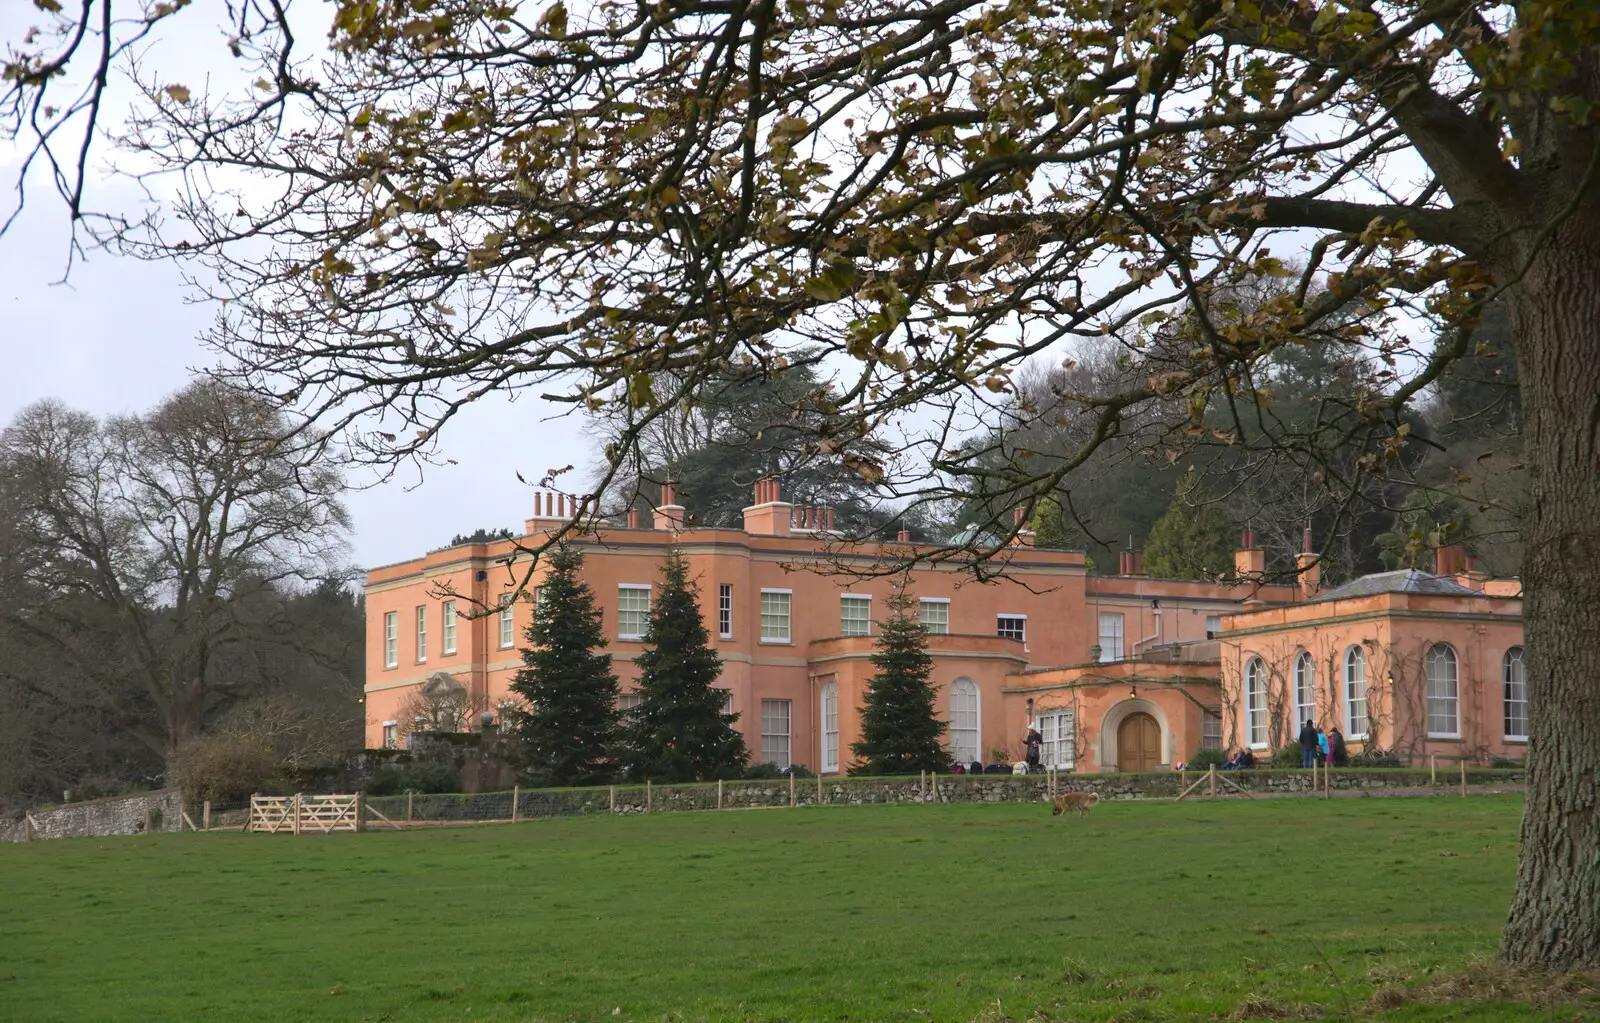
(301, 814)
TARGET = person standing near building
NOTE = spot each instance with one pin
(1034, 746)
(1322, 747)
(1336, 747)
(1308, 744)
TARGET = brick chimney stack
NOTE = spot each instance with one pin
(769, 515)
(1249, 561)
(1309, 567)
(1024, 535)
(669, 513)
(1447, 561)
(1130, 562)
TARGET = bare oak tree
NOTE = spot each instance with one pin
(154, 547)
(459, 196)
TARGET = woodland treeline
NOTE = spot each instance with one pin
(175, 589)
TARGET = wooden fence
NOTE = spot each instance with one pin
(301, 814)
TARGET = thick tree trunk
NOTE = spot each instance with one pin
(1555, 913)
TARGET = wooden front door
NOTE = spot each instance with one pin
(1138, 743)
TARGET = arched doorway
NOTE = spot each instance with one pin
(1138, 743)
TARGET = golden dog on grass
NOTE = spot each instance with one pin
(1079, 801)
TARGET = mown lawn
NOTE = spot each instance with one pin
(1147, 911)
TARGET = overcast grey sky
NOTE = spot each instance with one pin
(118, 336)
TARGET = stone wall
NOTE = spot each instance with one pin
(117, 815)
(534, 803)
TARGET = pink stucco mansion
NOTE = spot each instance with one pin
(1119, 672)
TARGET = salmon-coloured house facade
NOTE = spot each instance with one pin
(791, 610)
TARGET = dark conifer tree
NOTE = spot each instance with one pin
(567, 733)
(899, 732)
(679, 732)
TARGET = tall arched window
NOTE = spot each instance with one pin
(1515, 674)
(1305, 690)
(830, 727)
(1444, 718)
(1255, 702)
(1355, 693)
(965, 721)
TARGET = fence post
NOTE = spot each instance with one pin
(819, 789)
(516, 797)
(792, 801)
(1211, 772)
(250, 814)
(719, 793)
(649, 796)
(1433, 768)
(27, 827)
(614, 796)
(1463, 777)
(205, 816)
(1327, 780)
(408, 806)
(294, 808)
(361, 811)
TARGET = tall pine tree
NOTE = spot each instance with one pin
(679, 732)
(1193, 540)
(899, 732)
(568, 732)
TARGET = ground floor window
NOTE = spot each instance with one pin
(964, 722)
(1059, 731)
(830, 727)
(775, 732)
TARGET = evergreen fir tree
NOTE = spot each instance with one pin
(1049, 525)
(679, 732)
(899, 732)
(1193, 540)
(568, 732)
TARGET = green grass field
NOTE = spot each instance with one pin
(1147, 911)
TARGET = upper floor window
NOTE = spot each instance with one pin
(448, 613)
(391, 639)
(1110, 636)
(936, 615)
(1213, 626)
(1011, 627)
(1255, 702)
(633, 610)
(855, 615)
(628, 704)
(1305, 689)
(725, 611)
(775, 617)
(1444, 717)
(1514, 672)
(422, 633)
(508, 611)
(1355, 693)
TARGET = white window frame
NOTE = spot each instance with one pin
(422, 634)
(508, 620)
(1355, 674)
(1305, 689)
(1257, 733)
(447, 615)
(391, 639)
(1213, 626)
(1442, 670)
(865, 621)
(959, 731)
(924, 605)
(1211, 728)
(1059, 730)
(771, 620)
(633, 588)
(725, 611)
(777, 748)
(628, 703)
(1109, 652)
(391, 738)
(830, 728)
(1514, 692)
(999, 629)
